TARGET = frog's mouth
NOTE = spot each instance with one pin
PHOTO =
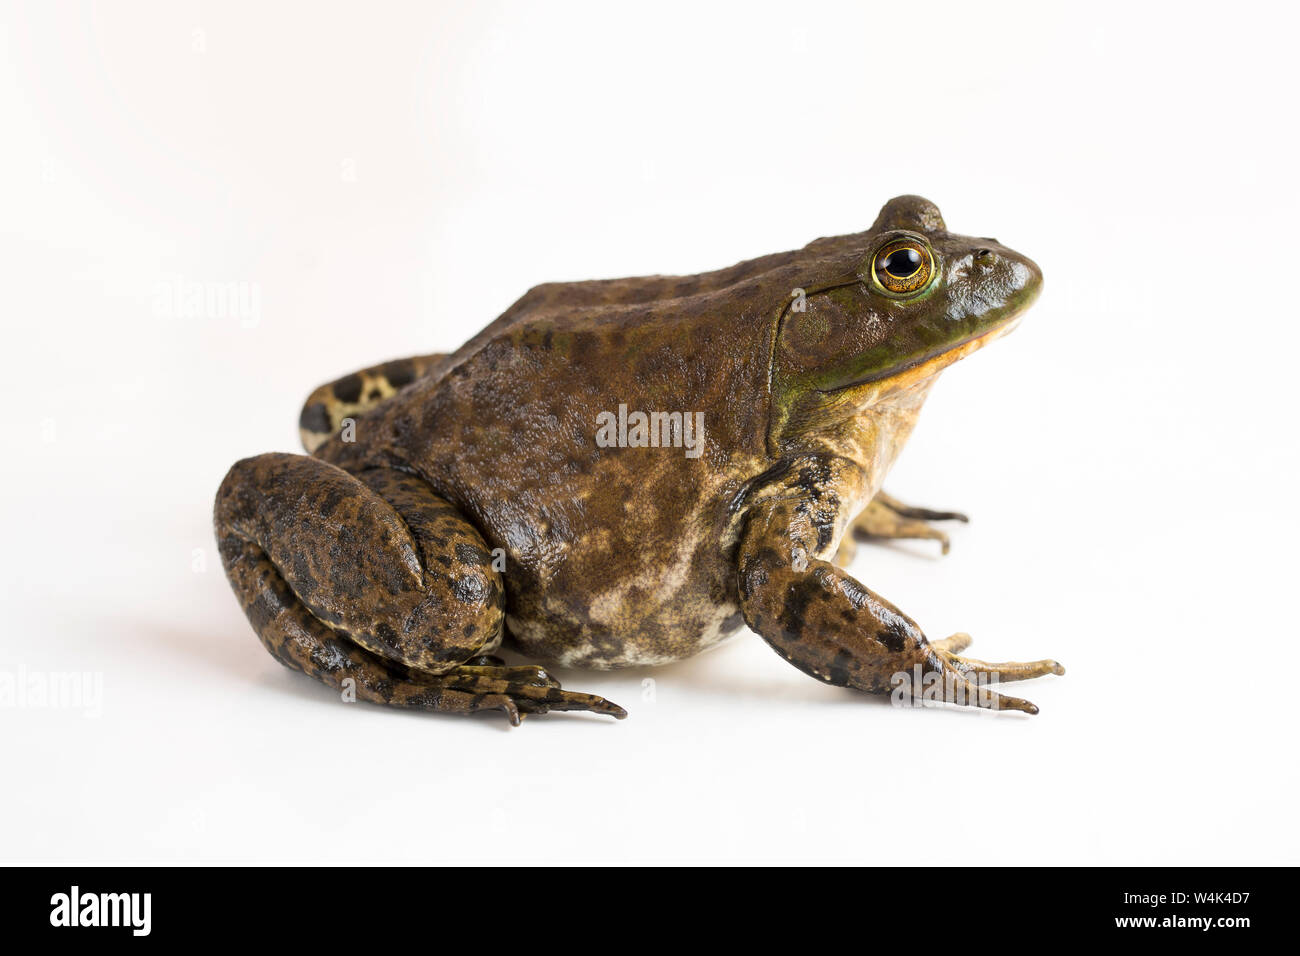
(927, 366)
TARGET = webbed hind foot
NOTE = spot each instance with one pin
(887, 517)
(518, 691)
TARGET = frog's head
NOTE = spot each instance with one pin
(891, 307)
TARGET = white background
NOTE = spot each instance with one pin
(390, 178)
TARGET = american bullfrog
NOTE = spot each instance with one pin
(625, 472)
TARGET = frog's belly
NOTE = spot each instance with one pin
(594, 646)
(585, 617)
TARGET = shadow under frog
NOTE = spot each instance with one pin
(369, 563)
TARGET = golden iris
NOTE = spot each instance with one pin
(903, 266)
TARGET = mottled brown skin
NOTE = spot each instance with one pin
(451, 500)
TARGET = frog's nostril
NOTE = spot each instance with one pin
(984, 255)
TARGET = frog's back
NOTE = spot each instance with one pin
(570, 298)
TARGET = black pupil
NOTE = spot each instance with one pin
(901, 263)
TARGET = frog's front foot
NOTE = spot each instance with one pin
(969, 667)
(977, 678)
(887, 517)
(833, 628)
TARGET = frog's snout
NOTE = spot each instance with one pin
(1017, 278)
(1031, 275)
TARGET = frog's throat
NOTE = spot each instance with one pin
(824, 412)
(863, 394)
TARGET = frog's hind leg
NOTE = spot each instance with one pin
(326, 408)
(372, 584)
(887, 517)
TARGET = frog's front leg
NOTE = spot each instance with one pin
(831, 627)
(373, 584)
(887, 517)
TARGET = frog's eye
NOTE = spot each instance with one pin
(903, 266)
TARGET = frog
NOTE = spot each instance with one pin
(626, 473)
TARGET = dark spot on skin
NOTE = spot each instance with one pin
(304, 582)
(262, 611)
(895, 635)
(813, 477)
(469, 630)
(348, 388)
(384, 631)
(315, 418)
(469, 554)
(469, 589)
(825, 530)
(399, 373)
(374, 395)
(840, 671)
(799, 596)
(451, 652)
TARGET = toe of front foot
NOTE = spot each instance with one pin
(973, 676)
